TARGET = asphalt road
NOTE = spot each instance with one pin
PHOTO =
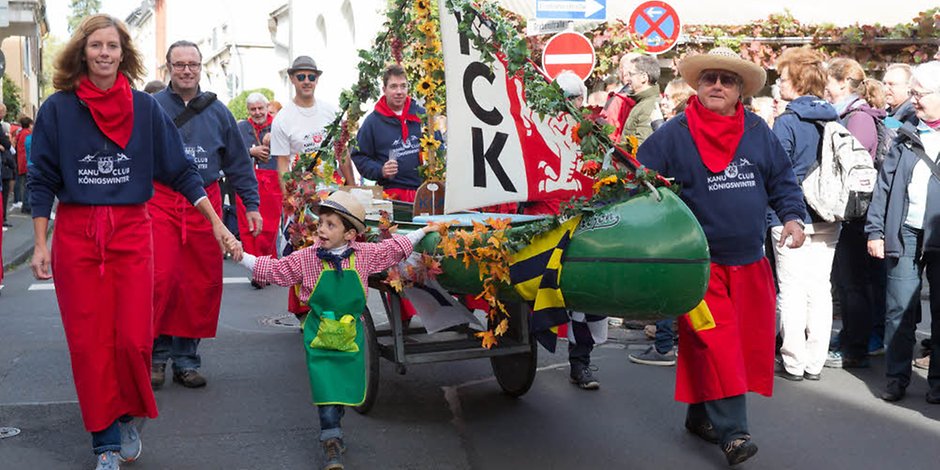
(255, 413)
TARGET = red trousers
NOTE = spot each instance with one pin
(187, 266)
(102, 260)
(269, 189)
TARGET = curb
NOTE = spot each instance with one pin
(24, 251)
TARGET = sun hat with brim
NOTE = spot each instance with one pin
(347, 207)
(303, 62)
(723, 58)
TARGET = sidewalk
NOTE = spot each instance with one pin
(17, 240)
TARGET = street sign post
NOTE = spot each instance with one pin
(657, 24)
(577, 10)
(568, 51)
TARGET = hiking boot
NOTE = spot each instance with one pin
(157, 375)
(108, 460)
(739, 450)
(922, 363)
(583, 378)
(189, 378)
(703, 429)
(834, 360)
(652, 357)
(130, 439)
(893, 391)
(333, 450)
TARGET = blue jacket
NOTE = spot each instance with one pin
(888, 208)
(378, 135)
(247, 131)
(800, 138)
(212, 140)
(731, 205)
(70, 158)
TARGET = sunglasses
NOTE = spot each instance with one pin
(710, 77)
(307, 76)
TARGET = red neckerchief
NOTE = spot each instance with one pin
(933, 124)
(260, 127)
(382, 108)
(716, 136)
(112, 109)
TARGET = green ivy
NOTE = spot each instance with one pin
(12, 98)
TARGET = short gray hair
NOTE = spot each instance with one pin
(571, 84)
(649, 66)
(927, 75)
(256, 98)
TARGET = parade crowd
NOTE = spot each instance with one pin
(139, 239)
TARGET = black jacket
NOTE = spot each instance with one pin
(7, 158)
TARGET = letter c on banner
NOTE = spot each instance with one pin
(474, 70)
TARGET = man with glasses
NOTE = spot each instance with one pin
(897, 81)
(641, 74)
(731, 168)
(187, 274)
(389, 139)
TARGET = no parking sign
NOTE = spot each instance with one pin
(657, 25)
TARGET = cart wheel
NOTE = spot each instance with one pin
(372, 363)
(516, 372)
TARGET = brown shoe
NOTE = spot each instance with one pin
(333, 450)
(739, 450)
(157, 375)
(189, 378)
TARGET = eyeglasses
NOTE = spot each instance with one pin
(710, 77)
(179, 66)
(918, 95)
(312, 76)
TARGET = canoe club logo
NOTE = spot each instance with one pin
(738, 175)
(597, 222)
(104, 169)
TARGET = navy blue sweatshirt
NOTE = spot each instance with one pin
(377, 137)
(212, 140)
(250, 139)
(73, 160)
(731, 206)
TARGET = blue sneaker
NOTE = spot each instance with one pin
(130, 439)
(876, 346)
(108, 460)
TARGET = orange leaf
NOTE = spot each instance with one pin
(489, 339)
(502, 327)
(394, 279)
(499, 224)
(448, 246)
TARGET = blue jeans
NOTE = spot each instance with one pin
(904, 306)
(330, 416)
(727, 415)
(108, 439)
(181, 350)
(665, 338)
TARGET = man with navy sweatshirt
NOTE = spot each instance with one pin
(188, 277)
(730, 167)
(390, 139)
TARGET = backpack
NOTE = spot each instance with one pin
(839, 185)
(886, 136)
(616, 111)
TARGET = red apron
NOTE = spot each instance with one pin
(269, 189)
(1, 239)
(187, 265)
(404, 195)
(737, 355)
(102, 259)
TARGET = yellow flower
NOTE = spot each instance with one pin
(608, 180)
(428, 28)
(435, 46)
(433, 64)
(426, 86)
(433, 108)
(429, 143)
(423, 8)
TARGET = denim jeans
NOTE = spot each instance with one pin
(727, 415)
(860, 281)
(904, 305)
(181, 350)
(330, 416)
(108, 439)
(665, 337)
(20, 193)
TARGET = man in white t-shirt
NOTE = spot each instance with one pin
(300, 127)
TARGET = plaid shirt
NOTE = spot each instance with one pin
(304, 268)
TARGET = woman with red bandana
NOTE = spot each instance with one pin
(98, 147)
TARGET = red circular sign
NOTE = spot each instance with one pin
(657, 24)
(568, 51)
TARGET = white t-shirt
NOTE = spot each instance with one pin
(920, 179)
(300, 130)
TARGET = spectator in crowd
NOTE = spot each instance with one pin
(22, 160)
(642, 73)
(763, 106)
(154, 86)
(675, 97)
(619, 103)
(274, 106)
(713, 150)
(897, 82)
(188, 290)
(7, 166)
(903, 223)
(254, 132)
(804, 298)
(860, 279)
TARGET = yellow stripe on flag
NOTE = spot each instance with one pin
(701, 317)
(527, 277)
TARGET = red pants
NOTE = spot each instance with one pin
(102, 259)
(187, 265)
(1, 241)
(269, 189)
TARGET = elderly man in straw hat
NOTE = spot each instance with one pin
(731, 168)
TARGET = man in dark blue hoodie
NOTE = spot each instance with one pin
(188, 277)
(390, 139)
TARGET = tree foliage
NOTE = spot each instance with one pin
(238, 105)
(79, 9)
(51, 47)
(12, 99)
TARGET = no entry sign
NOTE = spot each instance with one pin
(568, 51)
(657, 24)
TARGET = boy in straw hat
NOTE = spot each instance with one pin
(731, 167)
(333, 277)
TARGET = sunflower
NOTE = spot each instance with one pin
(435, 46)
(429, 143)
(612, 179)
(433, 64)
(433, 108)
(428, 28)
(423, 8)
(420, 50)
(426, 86)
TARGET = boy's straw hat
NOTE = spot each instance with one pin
(347, 207)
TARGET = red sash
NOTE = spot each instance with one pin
(188, 265)
(103, 257)
(737, 355)
(269, 189)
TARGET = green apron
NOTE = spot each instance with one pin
(336, 377)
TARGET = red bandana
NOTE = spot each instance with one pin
(260, 127)
(933, 124)
(716, 136)
(382, 108)
(112, 109)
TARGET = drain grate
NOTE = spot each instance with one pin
(280, 320)
(8, 432)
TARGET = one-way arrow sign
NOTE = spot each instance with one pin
(583, 10)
